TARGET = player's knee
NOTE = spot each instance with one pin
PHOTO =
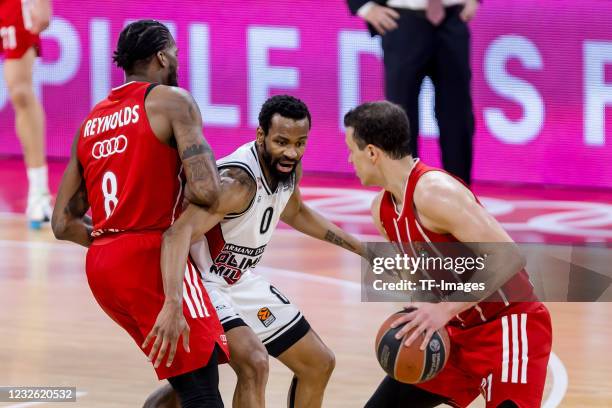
(328, 362)
(163, 397)
(21, 95)
(254, 366)
(318, 366)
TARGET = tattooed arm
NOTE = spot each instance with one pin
(69, 221)
(237, 191)
(176, 120)
(306, 220)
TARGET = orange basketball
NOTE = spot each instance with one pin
(410, 364)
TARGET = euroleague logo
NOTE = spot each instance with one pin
(108, 147)
(434, 345)
(265, 316)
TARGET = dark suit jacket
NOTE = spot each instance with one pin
(355, 5)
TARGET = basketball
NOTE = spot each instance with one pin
(410, 364)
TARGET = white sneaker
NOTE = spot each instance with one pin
(39, 210)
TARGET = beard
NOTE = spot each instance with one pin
(272, 165)
(172, 77)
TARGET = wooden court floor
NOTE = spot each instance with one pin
(52, 332)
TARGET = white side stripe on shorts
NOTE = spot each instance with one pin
(188, 301)
(192, 291)
(525, 347)
(197, 282)
(517, 341)
(505, 351)
(515, 348)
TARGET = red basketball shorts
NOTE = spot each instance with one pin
(15, 23)
(125, 277)
(503, 359)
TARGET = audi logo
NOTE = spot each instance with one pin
(105, 148)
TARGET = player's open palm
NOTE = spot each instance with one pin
(169, 327)
(425, 318)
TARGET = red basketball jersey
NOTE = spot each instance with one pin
(405, 227)
(15, 26)
(133, 179)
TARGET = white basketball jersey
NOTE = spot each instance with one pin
(236, 244)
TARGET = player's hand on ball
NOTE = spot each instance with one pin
(169, 326)
(426, 318)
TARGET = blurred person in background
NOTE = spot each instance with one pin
(21, 22)
(428, 38)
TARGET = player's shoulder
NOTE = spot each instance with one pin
(234, 172)
(242, 158)
(238, 189)
(169, 94)
(238, 180)
(438, 188)
(244, 154)
(169, 97)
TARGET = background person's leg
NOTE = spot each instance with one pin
(451, 76)
(407, 53)
(30, 128)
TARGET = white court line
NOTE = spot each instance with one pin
(555, 365)
(31, 404)
(313, 278)
(6, 243)
(559, 384)
(69, 246)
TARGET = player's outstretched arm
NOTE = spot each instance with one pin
(237, 189)
(69, 221)
(175, 117)
(306, 220)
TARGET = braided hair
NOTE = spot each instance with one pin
(139, 41)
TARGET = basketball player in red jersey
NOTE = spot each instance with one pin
(21, 22)
(128, 162)
(498, 349)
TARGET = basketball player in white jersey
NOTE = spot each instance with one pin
(259, 188)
